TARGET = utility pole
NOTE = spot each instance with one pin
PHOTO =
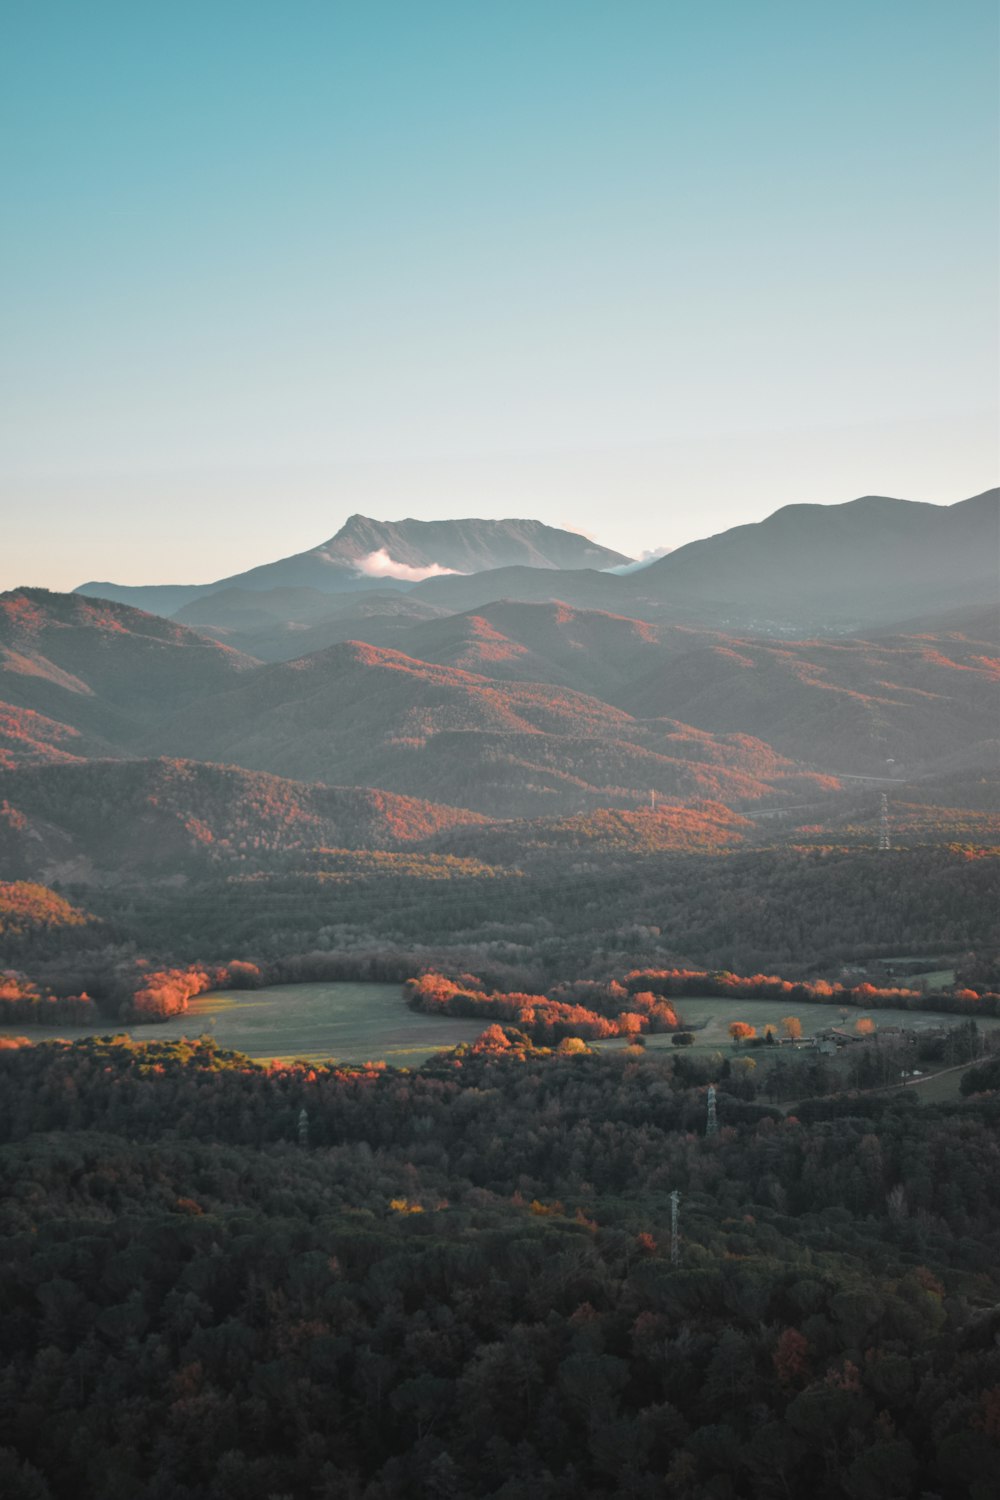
(883, 823)
(303, 1127)
(675, 1239)
(712, 1123)
(652, 800)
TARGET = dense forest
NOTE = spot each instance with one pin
(803, 913)
(221, 1281)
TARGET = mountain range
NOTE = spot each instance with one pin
(271, 714)
(807, 569)
(868, 559)
(397, 553)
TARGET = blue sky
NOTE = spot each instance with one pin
(644, 269)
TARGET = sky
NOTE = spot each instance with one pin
(643, 268)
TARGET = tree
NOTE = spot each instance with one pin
(682, 1039)
(741, 1031)
(791, 1356)
(792, 1027)
(742, 1083)
(864, 1026)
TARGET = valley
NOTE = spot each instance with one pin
(525, 788)
(373, 925)
(499, 751)
(362, 1023)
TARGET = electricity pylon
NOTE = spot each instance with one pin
(675, 1238)
(883, 824)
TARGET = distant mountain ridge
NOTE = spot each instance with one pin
(396, 554)
(875, 558)
(805, 568)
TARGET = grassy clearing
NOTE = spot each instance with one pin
(370, 1022)
(314, 1022)
(352, 1022)
(937, 979)
(942, 1087)
(718, 1013)
(939, 1085)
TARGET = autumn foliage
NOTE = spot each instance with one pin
(609, 1012)
(676, 982)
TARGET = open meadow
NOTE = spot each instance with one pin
(709, 1017)
(311, 1022)
(362, 1022)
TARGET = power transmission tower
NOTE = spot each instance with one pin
(712, 1123)
(883, 823)
(675, 1238)
(303, 1127)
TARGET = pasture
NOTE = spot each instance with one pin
(313, 1022)
(709, 1017)
(355, 1023)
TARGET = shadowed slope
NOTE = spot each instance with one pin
(280, 624)
(805, 568)
(357, 713)
(98, 672)
(589, 650)
(166, 817)
(872, 559)
(848, 705)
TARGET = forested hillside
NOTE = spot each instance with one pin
(131, 820)
(461, 1283)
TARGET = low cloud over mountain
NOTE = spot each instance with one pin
(397, 552)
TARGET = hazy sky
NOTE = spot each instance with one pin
(646, 268)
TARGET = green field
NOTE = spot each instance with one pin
(938, 1084)
(716, 1015)
(936, 979)
(350, 1022)
(370, 1022)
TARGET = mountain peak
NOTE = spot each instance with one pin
(397, 553)
(866, 559)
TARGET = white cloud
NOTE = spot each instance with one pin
(380, 565)
(641, 562)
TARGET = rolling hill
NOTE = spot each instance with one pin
(583, 588)
(28, 738)
(589, 650)
(157, 818)
(704, 827)
(375, 717)
(82, 677)
(847, 705)
(280, 624)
